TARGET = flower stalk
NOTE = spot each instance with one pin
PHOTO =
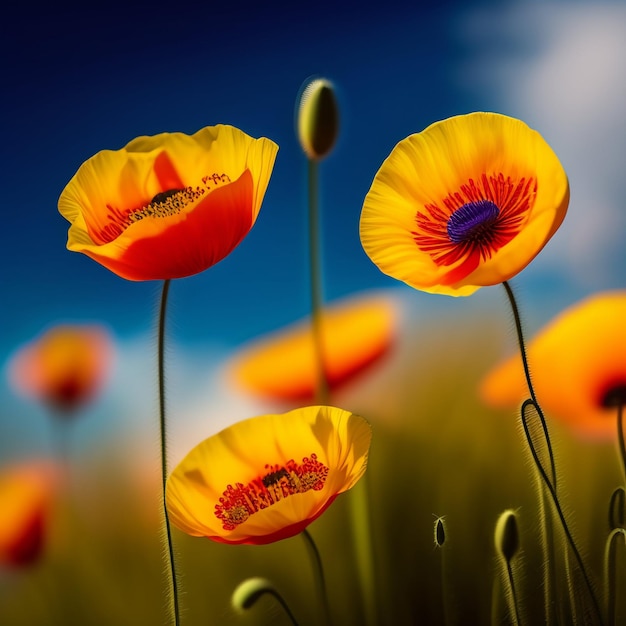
(163, 435)
(530, 407)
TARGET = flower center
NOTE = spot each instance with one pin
(614, 396)
(238, 503)
(164, 204)
(471, 222)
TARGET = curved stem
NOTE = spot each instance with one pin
(319, 575)
(162, 422)
(610, 573)
(531, 390)
(550, 484)
(321, 392)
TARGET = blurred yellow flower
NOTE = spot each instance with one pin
(169, 205)
(268, 477)
(466, 203)
(25, 495)
(356, 332)
(578, 365)
(65, 367)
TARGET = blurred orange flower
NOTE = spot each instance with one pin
(64, 368)
(466, 203)
(578, 365)
(356, 332)
(25, 495)
(267, 478)
(169, 205)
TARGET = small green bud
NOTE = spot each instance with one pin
(507, 535)
(318, 119)
(249, 591)
(440, 532)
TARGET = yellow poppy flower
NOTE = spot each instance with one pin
(268, 477)
(578, 366)
(170, 205)
(466, 203)
(25, 494)
(356, 332)
(64, 368)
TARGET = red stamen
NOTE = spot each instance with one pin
(238, 503)
(514, 199)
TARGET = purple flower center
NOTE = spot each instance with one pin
(472, 221)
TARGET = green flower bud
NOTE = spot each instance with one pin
(507, 535)
(318, 119)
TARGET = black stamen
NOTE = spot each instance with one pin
(162, 196)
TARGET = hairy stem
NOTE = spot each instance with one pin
(548, 480)
(162, 422)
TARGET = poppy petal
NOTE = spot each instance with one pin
(267, 478)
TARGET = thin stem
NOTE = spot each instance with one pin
(617, 505)
(610, 573)
(318, 571)
(515, 609)
(550, 484)
(162, 422)
(620, 437)
(285, 606)
(522, 347)
(315, 269)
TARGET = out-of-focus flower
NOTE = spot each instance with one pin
(169, 205)
(356, 332)
(466, 203)
(65, 367)
(25, 495)
(268, 477)
(578, 367)
(318, 119)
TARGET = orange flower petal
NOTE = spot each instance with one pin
(170, 205)
(268, 477)
(64, 368)
(25, 492)
(466, 203)
(356, 333)
(577, 364)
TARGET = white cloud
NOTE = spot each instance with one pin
(560, 66)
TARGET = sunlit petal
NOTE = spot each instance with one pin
(170, 205)
(577, 364)
(268, 477)
(466, 203)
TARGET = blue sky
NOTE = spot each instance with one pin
(81, 80)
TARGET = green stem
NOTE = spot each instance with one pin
(522, 347)
(550, 484)
(321, 391)
(162, 422)
(610, 573)
(318, 572)
(620, 438)
(617, 506)
(514, 610)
